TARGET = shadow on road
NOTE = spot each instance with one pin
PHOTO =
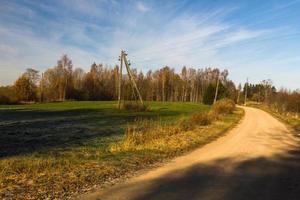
(260, 178)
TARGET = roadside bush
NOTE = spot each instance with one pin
(134, 106)
(196, 119)
(185, 124)
(223, 106)
(201, 118)
(214, 115)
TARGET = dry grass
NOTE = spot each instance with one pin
(48, 178)
(155, 135)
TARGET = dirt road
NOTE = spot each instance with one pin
(259, 159)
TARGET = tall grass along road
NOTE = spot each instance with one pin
(258, 159)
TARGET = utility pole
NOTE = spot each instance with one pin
(120, 80)
(131, 78)
(217, 89)
(123, 58)
(246, 91)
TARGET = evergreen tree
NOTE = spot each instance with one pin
(209, 94)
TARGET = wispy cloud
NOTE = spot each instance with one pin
(175, 33)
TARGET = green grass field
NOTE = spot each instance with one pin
(38, 127)
(60, 149)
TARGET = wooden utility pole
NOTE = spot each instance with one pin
(123, 58)
(217, 89)
(132, 78)
(246, 91)
(120, 80)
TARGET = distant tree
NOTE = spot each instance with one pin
(51, 84)
(26, 85)
(64, 68)
(32, 75)
(58, 81)
(78, 92)
(184, 83)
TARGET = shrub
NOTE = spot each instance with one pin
(196, 119)
(134, 106)
(223, 106)
(214, 114)
(201, 118)
(185, 124)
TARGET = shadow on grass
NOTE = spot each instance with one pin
(259, 178)
(25, 131)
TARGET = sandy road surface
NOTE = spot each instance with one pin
(259, 159)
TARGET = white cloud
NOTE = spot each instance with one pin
(142, 7)
(6, 49)
(184, 42)
(240, 35)
(93, 8)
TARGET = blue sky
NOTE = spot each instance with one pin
(255, 39)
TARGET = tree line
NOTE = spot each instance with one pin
(282, 100)
(63, 82)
